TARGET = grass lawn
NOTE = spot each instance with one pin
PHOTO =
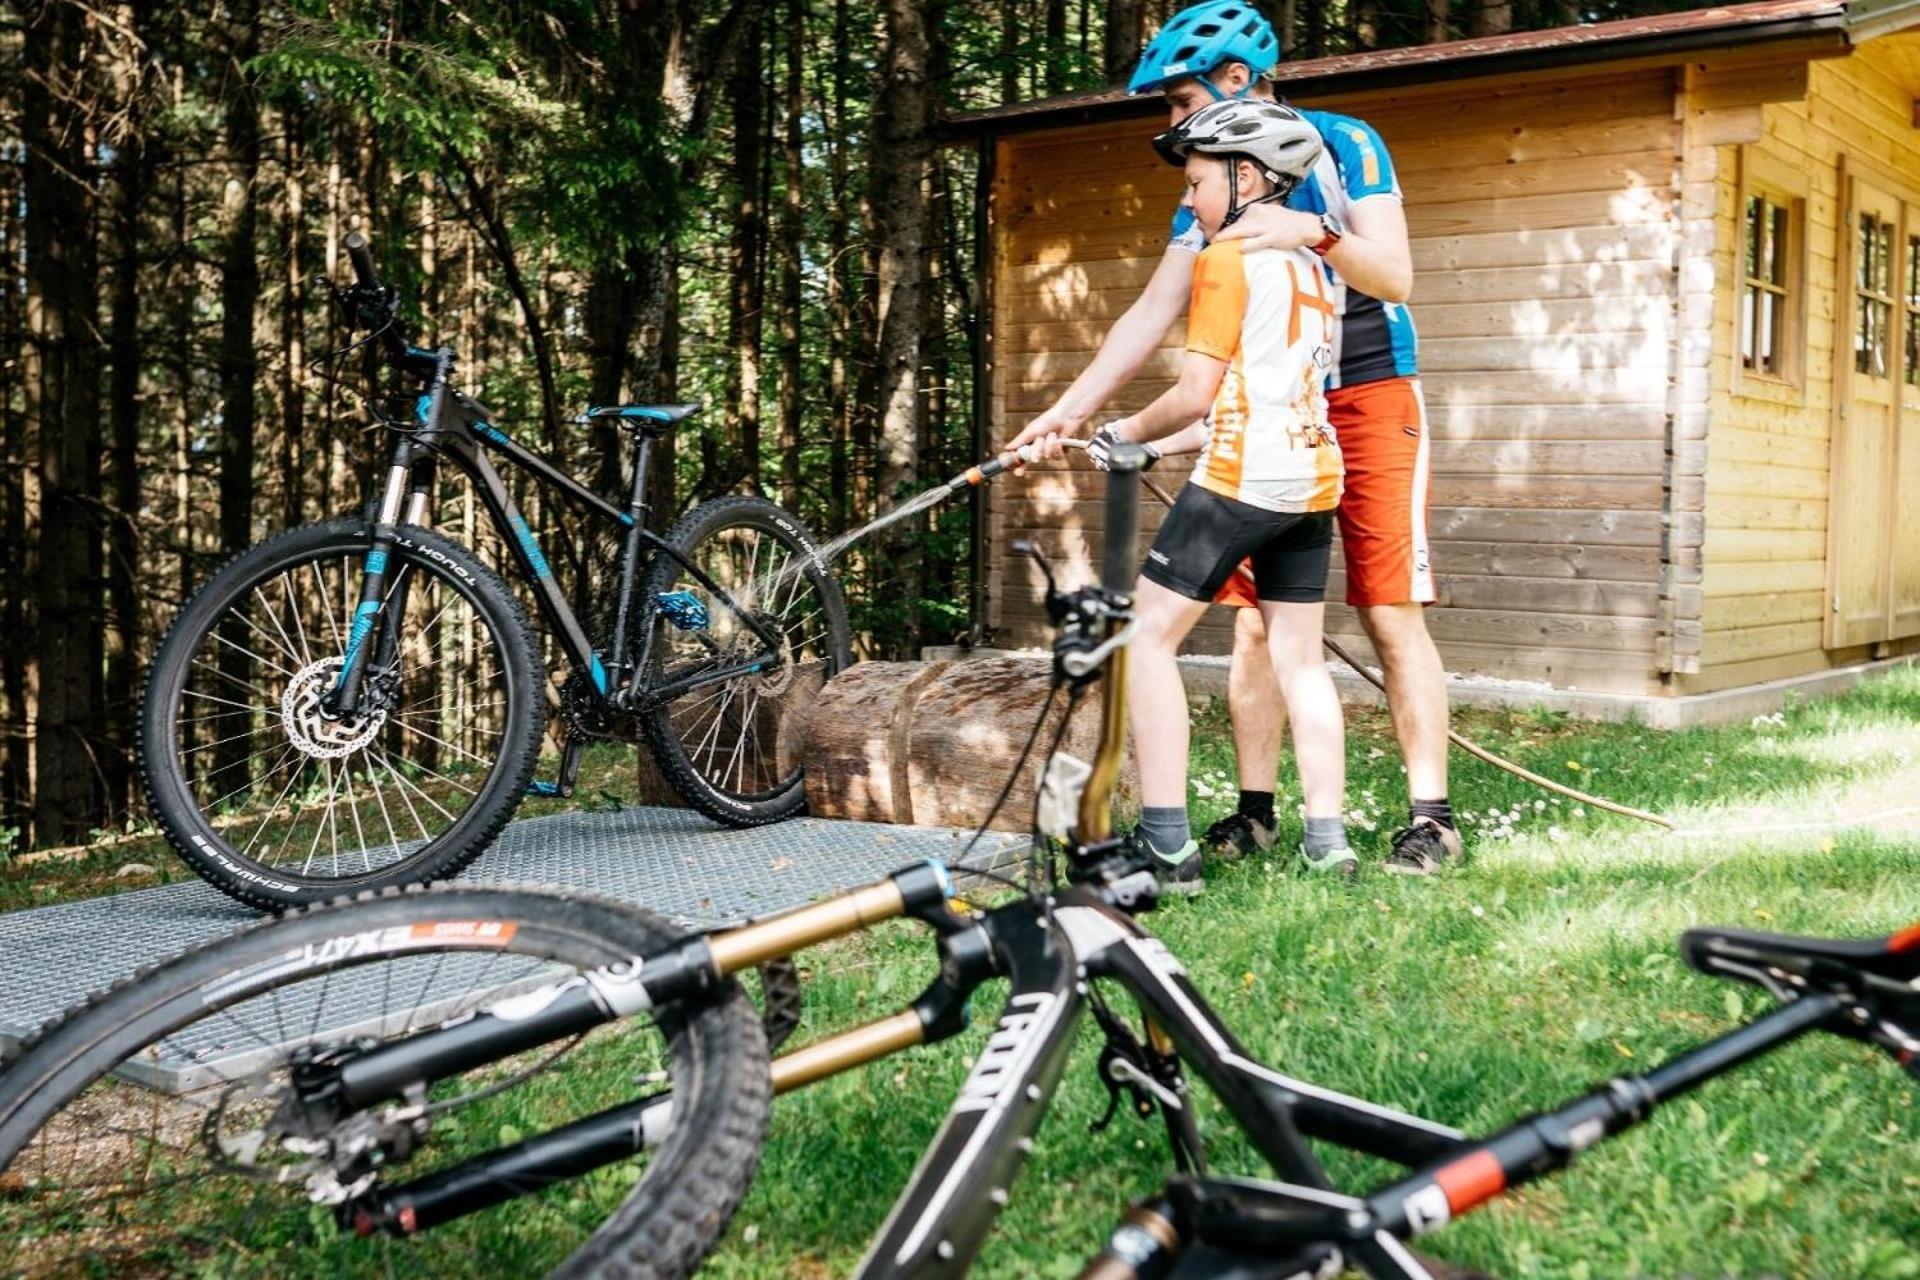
(1544, 965)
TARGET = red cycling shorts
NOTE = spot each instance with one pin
(1382, 428)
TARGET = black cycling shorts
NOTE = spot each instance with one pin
(1206, 536)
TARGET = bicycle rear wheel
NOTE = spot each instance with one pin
(719, 741)
(157, 1132)
(278, 803)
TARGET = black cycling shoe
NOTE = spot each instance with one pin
(1180, 872)
(1422, 848)
(1237, 836)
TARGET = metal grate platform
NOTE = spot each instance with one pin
(672, 861)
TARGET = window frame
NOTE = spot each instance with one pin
(1887, 303)
(1759, 177)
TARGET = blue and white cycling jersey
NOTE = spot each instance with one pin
(1375, 339)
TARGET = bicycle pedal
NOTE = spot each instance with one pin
(683, 609)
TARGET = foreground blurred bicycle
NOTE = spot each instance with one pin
(359, 703)
(601, 1074)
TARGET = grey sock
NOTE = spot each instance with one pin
(1166, 829)
(1324, 835)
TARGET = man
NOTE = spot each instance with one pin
(1349, 212)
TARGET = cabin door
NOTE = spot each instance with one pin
(1869, 479)
(1906, 527)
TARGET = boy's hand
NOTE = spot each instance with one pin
(1267, 226)
(1053, 423)
(1100, 447)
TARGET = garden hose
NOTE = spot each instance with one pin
(987, 470)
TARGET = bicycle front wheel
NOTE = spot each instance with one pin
(182, 1125)
(716, 731)
(279, 802)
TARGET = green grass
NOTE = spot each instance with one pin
(1543, 966)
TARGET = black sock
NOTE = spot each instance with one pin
(1441, 811)
(1258, 805)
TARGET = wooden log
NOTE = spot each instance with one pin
(933, 742)
(853, 741)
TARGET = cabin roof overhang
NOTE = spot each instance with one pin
(1824, 27)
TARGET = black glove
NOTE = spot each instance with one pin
(1100, 448)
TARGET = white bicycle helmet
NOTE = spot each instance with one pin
(1275, 137)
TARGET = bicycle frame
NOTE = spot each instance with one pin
(455, 427)
(1051, 948)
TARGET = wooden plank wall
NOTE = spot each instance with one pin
(1544, 251)
(1767, 458)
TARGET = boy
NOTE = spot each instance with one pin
(1260, 334)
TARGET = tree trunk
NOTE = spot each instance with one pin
(839, 312)
(133, 174)
(1435, 27)
(1009, 51)
(747, 91)
(16, 796)
(293, 335)
(62, 398)
(180, 351)
(792, 234)
(1491, 18)
(1056, 46)
(239, 294)
(903, 148)
(1121, 47)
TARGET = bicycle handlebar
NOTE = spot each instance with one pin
(362, 260)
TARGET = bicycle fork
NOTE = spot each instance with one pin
(401, 498)
(366, 614)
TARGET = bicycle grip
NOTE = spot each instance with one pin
(362, 260)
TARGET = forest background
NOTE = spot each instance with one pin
(738, 202)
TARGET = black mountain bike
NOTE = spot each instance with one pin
(378, 1149)
(359, 703)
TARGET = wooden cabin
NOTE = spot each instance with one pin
(1667, 284)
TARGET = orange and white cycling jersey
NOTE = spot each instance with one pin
(1271, 316)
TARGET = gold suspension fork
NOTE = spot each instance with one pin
(1117, 577)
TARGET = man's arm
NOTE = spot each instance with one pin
(1373, 256)
(1134, 337)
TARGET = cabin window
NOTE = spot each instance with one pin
(1873, 282)
(1766, 319)
(1913, 310)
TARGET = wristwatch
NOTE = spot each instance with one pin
(1334, 231)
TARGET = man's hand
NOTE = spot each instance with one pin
(1273, 226)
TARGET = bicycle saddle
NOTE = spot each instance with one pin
(1726, 952)
(658, 415)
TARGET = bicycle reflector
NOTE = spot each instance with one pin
(683, 609)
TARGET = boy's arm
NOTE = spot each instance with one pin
(1133, 338)
(1180, 404)
(1190, 440)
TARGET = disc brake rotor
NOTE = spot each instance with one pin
(308, 727)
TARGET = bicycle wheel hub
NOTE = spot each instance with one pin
(773, 680)
(307, 724)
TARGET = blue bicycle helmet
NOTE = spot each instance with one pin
(1201, 37)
